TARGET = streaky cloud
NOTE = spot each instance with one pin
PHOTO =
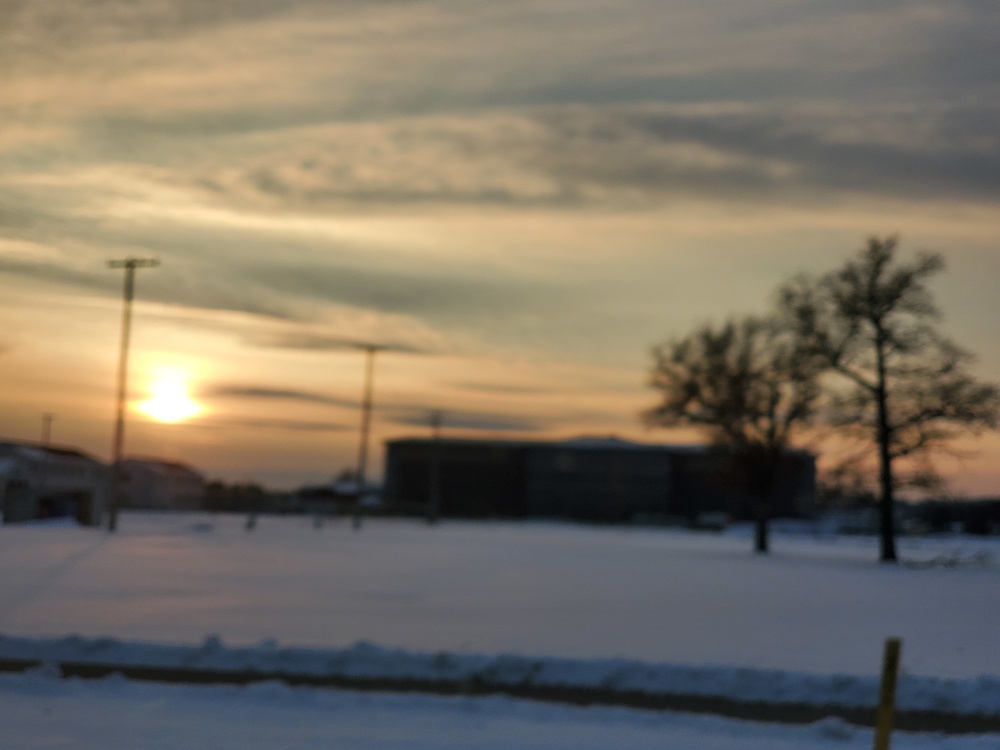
(463, 420)
(264, 393)
(502, 388)
(58, 274)
(284, 425)
(318, 342)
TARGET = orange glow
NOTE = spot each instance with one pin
(170, 401)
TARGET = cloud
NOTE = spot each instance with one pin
(463, 420)
(512, 389)
(54, 273)
(296, 109)
(308, 341)
(263, 393)
(398, 285)
(403, 414)
(523, 182)
(285, 425)
(586, 156)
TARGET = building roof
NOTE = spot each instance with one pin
(610, 442)
(163, 466)
(16, 446)
(584, 442)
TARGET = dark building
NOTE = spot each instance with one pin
(155, 484)
(41, 481)
(600, 480)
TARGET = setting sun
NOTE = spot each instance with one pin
(169, 402)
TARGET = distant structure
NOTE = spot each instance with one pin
(155, 484)
(327, 499)
(39, 482)
(603, 480)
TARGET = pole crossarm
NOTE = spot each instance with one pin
(134, 263)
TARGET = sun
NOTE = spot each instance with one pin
(169, 402)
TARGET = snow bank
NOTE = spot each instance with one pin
(367, 661)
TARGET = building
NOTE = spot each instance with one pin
(154, 484)
(322, 500)
(38, 482)
(599, 480)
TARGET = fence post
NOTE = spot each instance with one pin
(887, 694)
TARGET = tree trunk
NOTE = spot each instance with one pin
(760, 541)
(760, 467)
(887, 523)
(887, 530)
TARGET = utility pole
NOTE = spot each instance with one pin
(46, 440)
(434, 475)
(366, 415)
(46, 429)
(129, 264)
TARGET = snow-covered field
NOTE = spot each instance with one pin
(39, 713)
(640, 604)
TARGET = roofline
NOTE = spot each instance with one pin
(580, 443)
(54, 450)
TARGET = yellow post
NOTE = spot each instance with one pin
(887, 694)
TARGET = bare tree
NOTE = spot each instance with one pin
(907, 386)
(749, 387)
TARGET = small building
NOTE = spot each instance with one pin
(600, 480)
(325, 500)
(39, 482)
(155, 484)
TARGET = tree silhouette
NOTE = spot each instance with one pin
(749, 387)
(906, 386)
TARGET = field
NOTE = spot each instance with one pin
(817, 606)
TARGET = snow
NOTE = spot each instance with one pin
(37, 712)
(644, 609)
(365, 660)
(817, 605)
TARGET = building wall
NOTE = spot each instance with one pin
(707, 482)
(40, 482)
(602, 481)
(473, 479)
(596, 483)
(163, 485)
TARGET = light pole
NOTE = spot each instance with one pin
(129, 264)
(366, 416)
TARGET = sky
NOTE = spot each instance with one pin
(518, 199)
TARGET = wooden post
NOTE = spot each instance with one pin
(887, 694)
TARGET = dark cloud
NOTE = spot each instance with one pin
(400, 414)
(208, 286)
(436, 291)
(445, 128)
(463, 420)
(262, 393)
(502, 388)
(318, 342)
(285, 425)
(779, 153)
(58, 274)
(584, 156)
(175, 290)
(62, 25)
